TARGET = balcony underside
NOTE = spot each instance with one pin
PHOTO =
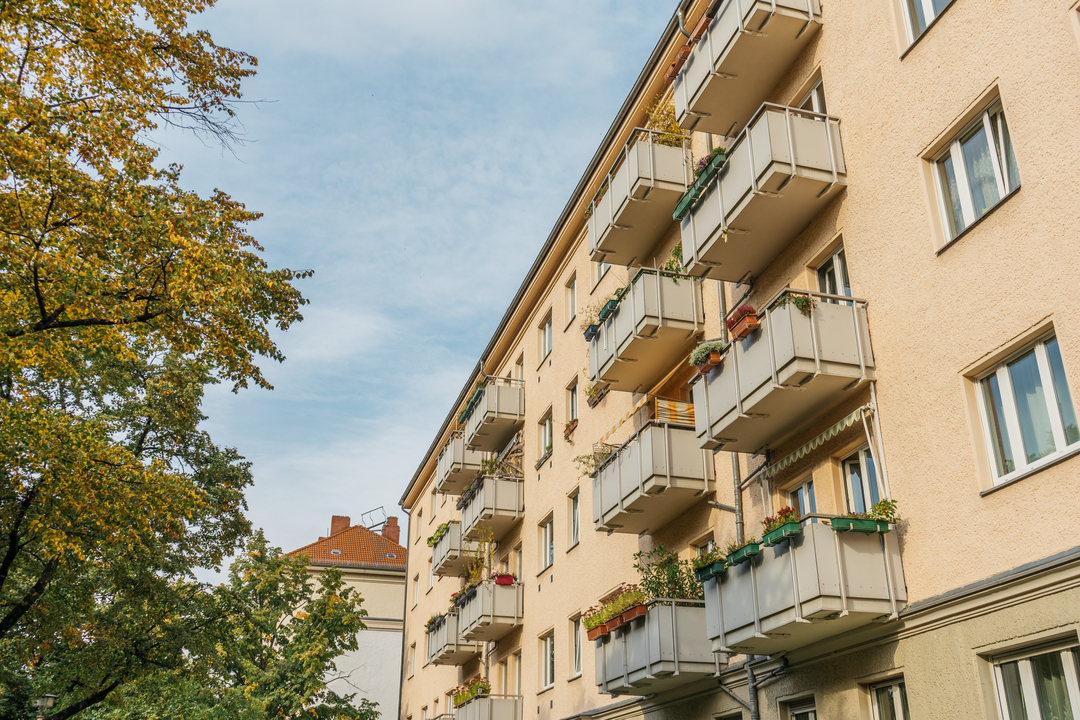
(640, 225)
(455, 654)
(494, 432)
(499, 522)
(645, 358)
(644, 513)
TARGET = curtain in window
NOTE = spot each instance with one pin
(1035, 429)
(1050, 687)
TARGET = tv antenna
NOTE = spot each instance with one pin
(373, 519)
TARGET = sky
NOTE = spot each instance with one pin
(415, 156)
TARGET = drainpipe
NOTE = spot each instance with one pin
(404, 614)
(751, 687)
(681, 19)
(736, 472)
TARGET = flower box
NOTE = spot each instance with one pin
(609, 307)
(714, 361)
(859, 525)
(710, 571)
(774, 537)
(597, 632)
(614, 623)
(698, 188)
(568, 431)
(633, 614)
(504, 579)
(594, 400)
(744, 553)
(745, 325)
(590, 332)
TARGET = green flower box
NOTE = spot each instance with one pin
(775, 537)
(859, 525)
(710, 571)
(744, 553)
(698, 188)
(609, 307)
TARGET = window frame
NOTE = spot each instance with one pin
(547, 661)
(571, 301)
(838, 257)
(862, 454)
(1068, 649)
(816, 96)
(416, 589)
(1000, 371)
(572, 397)
(546, 337)
(899, 698)
(575, 644)
(909, 25)
(547, 543)
(807, 484)
(600, 269)
(546, 435)
(574, 512)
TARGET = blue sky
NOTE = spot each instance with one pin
(416, 156)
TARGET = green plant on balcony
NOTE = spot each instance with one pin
(661, 120)
(784, 524)
(665, 576)
(600, 193)
(439, 532)
(877, 520)
(741, 552)
(708, 564)
(476, 686)
(432, 622)
(742, 322)
(619, 607)
(803, 303)
(590, 464)
(707, 355)
(710, 159)
(489, 466)
(478, 394)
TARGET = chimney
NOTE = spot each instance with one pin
(339, 523)
(391, 531)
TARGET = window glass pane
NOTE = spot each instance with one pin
(999, 434)
(915, 12)
(1061, 392)
(827, 277)
(1031, 408)
(1014, 698)
(903, 701)
(871, 477)
(1003, 146)
(854, 473)
(954, 212)
(980, 171)
(841, 268)
(1054, 703)
(939, 5)
(886, 709)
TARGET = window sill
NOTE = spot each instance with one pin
(542, 361)
(925, 32)
(544, 690)
(545, 569)
(976, 224)
(1048, 463)
(575, 677)
(570, 322)
(543, 459)
(573, 546)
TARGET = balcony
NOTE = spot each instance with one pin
(661, 650)
(654, 477)
(490, 611)
(642, 189)
(780, 173)
(654, 326)
(490, 707)
(786, 373)
(456, 466)
(749, 46)
(494, 414)
(811, 587)
(452, 555)
(492, 503)
(444, 646)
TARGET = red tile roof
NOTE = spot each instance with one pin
(356, 547)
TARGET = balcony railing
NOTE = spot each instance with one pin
(779, 174)
(749, 46)
(495, 504)
(456, 466)
(661, 650)
(654, 326)
(786, 373)
(490, 707)
(654, 477)
(494, 413)
(452, 554)
(810, 587)
(638, 197)
(490, 611)
(444, 645)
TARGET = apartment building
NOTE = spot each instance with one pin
(892, 198)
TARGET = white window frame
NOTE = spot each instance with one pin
(706, 546)
(430, 574)
(546, 436)
(434, 505)
(546, 337)
(882, 493)
(928, 14)
(575, 654)
(954, 150)
(800, 707)
(423, 713)
(517, 673)
(572, 401)
(838, 258)
(1012, 418)
(547, 661)
(517, 560)
(1027, 678)
(415, 590)
(816, 97)
(575, 519)
(806, 485)
(547, 543)
(412, 659)
(504, 677)
(600, 269)
(898, 707)
(571, 300)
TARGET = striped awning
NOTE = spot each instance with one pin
(791, 458)
(673, 411)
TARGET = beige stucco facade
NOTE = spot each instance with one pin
(989, 568)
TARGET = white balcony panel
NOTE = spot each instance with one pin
(817, 585)
(779, 175)
(456, 466)
(654, 326)
(635, 212)
(490, 707)
(657, 475)
(491, 612)
(444, 646)
(496, 416)
(662, 650)
(787, 373)
(452, 554)
(497, 505)
(749, 46)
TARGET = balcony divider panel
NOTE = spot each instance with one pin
(456, 466)
(497, 415)
(490, 707)
(780, 174)
(450, 555)
(491, 612)
(498, 504)
(664, 649)
(734, 67)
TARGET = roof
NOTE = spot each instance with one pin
(357, 547)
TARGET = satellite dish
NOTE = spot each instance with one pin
(373, 519)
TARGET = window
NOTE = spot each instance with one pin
(575, 518)
(890, 701)
(434, 505)
(571, 299)
(430, 575)
(517, 673)
(705, 547)
(504, 678)
(833, 275)
(975, 171)
(415, 590)
(599, 271)
(575, 654)
(423, 713)
(435, 712)
(517, 560)
(419, 525)
(860, 481)
(571, 402)
(545, 337)
(1027, 413)
(412, 659)
(547, 661)
(814, 101)
(920, 13)
(545, 435)
(801, 497)
(547, 544)
(519, 368)
(1043, 686)
(802, 711)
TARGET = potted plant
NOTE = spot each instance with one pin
(432, 622)
(503, 578)
(594, 395)
(665, 577)
(709, 565)
(737, 553)
(476, 686)
(594, 623)
(632, 599)
(742, 322)
(439, 532)
(478, 393)
(784, 524)
(707, 166)
(609, 307)
(803, 303)
(878, 520)
(569, 428)
(707, 356)
(590, 320)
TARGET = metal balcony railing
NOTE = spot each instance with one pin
(494, 414)
(496, 505)
(452, 553)
(490, 707)
(456, 466)
(491, 611)
(444, 645)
